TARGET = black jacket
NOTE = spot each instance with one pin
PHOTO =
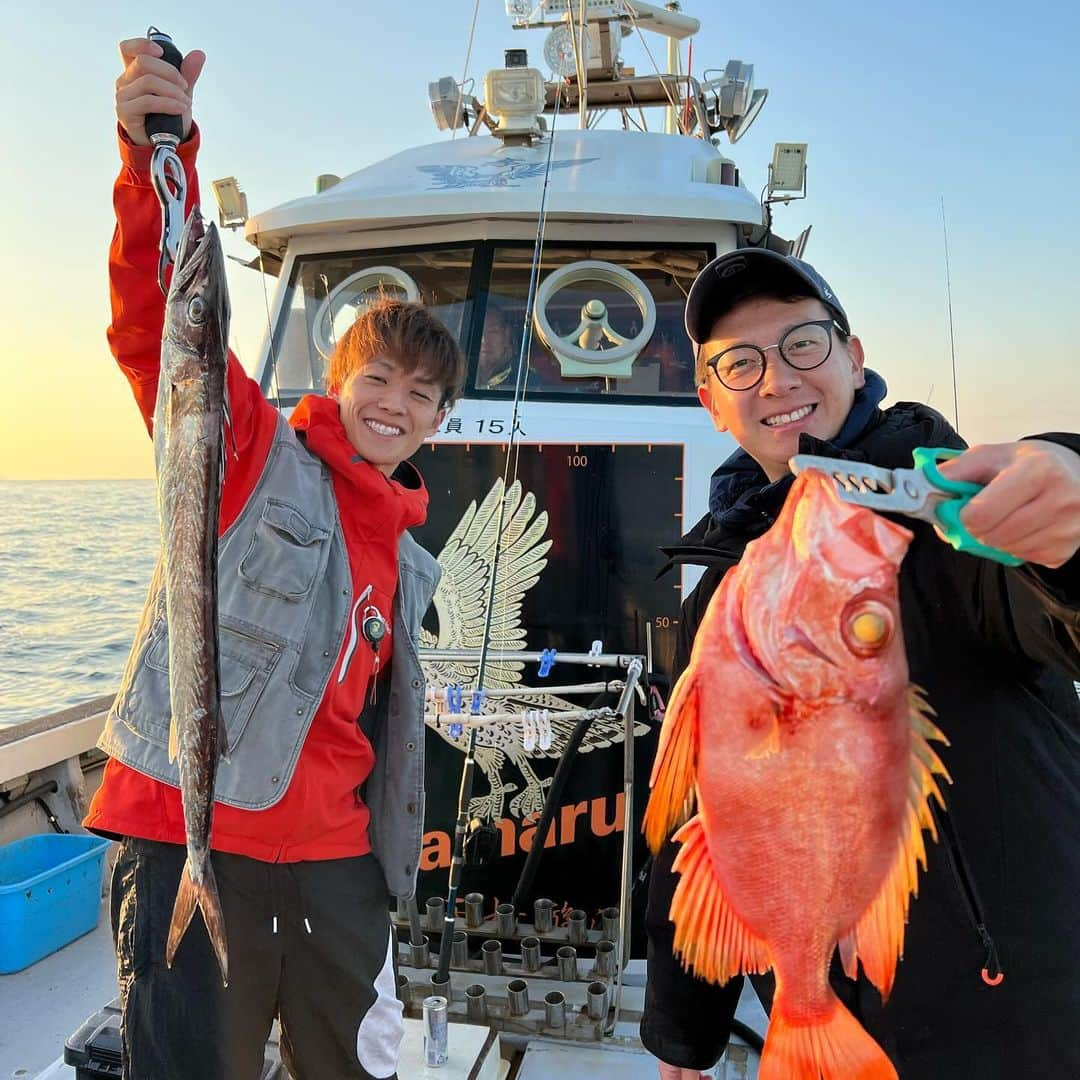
(996, 650)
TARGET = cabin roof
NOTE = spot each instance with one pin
(595, 175)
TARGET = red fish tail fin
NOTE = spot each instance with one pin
(835, 1049)
(205, 896)
(675, 768)
(877, 939)
(710, 936)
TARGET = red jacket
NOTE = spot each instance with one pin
(321, 815)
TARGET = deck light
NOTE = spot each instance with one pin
(787, 172)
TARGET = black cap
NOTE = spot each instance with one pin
(733, 273)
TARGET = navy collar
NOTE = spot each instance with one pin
(740, 477)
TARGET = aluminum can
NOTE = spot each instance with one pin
(436, 1030)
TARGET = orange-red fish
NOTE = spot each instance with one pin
(795, 733)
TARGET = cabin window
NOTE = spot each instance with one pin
(663, 368)
(327, 292)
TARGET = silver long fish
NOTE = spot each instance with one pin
(189, 420)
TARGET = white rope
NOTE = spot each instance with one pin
(656, 67)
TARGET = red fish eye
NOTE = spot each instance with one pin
(867, 627)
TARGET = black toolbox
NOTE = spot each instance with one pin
(96, 1052)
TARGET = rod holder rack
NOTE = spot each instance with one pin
(527, 1004)
(557, 935)
(531, 964)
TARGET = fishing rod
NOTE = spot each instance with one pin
(948, 294)
(461, 822)
(166, 170)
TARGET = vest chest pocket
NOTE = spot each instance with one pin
(246, 663)
(286, 553)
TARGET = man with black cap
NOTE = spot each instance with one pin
(990, 981)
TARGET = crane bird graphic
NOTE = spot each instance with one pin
(468, 560)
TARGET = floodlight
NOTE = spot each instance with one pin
(447, 103)
(737, 129)
(231, 202)
(731, 102)
(559, 51)
(515, 97)
(788, 169)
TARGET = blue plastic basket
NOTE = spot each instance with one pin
(50, 894)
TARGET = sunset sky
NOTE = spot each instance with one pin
(902, 105)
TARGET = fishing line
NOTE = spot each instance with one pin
(513, 448)
(948, 294)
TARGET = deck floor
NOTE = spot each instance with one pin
(43, 1004)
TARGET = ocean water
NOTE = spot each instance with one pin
(75, 563)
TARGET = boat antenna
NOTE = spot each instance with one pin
(465, 72)
(952, 337)
(461, 821)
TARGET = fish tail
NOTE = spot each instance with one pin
(675, 768)
(203, 894)
(837, 1048)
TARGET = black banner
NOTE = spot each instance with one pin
(581, 529)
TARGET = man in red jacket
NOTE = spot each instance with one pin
(319, 807)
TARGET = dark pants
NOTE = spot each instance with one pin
(309, 944)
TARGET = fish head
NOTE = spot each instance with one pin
(819, 598)
(197, 306)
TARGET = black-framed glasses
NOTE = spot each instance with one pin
(803, 347)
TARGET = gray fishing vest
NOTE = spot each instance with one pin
(285, 602)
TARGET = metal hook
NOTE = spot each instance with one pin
(170, 184)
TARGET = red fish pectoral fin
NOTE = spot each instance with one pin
(675, 768)
(711, 938)
(877, 939)
(837, 1049)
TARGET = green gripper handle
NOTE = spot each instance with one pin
(948, 510)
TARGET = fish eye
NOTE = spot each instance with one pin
(868, 626)
(196, 309)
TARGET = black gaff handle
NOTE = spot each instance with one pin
(165, 123)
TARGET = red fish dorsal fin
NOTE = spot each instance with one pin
(877, 939)
(675, 768)
(711, 938)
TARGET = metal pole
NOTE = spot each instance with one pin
(625, 710)
(674, 66)
(616, 660)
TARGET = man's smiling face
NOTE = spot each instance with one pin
(387, 413)
(767, 419)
